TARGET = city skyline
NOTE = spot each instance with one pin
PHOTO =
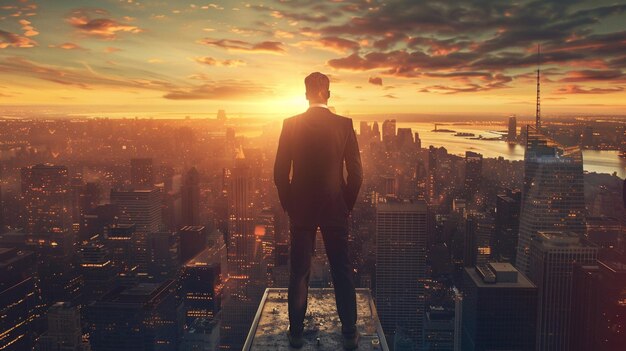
(146, 58)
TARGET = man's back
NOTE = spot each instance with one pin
(316, 143)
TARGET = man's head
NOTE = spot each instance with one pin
(317, 88)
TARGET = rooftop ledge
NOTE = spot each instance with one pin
(322, 328)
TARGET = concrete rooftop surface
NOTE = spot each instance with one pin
(322, 328)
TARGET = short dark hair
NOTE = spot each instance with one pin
(316, 82)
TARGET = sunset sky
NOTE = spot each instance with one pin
(462, 57)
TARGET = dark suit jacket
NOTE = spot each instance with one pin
(316, 144)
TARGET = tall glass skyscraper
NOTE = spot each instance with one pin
(400, 264)
(553, 192)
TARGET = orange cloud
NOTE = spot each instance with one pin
(271, 47)
(16, 41)
(217, 91)
(104, 28)
(214, 62)
(576, 89)
(67, 46)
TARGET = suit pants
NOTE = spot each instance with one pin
(302, 248)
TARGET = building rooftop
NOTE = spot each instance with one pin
(502, 275)
(268, 330)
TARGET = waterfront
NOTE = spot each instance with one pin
(594, 161)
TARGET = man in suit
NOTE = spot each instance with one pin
(316, 144)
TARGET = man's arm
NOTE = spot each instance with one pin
(352, 157)
(282, 167)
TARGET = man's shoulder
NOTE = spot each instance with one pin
(290, 120)
(343, 120)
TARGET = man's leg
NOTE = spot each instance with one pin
(302, 244)
(336, 243)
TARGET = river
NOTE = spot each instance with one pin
(593, 161)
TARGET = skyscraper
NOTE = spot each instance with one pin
(193, 239)
(400, 264)
(512, 132)
(20, 299)
(46, 191)
(141, 173)
(242, 290)
(64, 329)
(473, 173)
(552, 258)
(202, 281)
(499, 309)
(389, 131)
(552, 194)
(190, 198)
(142, 317)
(139, 207)
(507, 226)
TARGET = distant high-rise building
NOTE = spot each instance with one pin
(552, 258)
(504, 244)
(242, 289)
(439, 325)
(97, 269)
(163, 253)
(552, 194)
(611, 303)
(190, 198)
(47, 196)
(146, 316)
(64, 330)
(141, 173)
(376, 131)
(401, 233)
(20, 299)
(479, 232)
(499, 309)
(389, 131)
(512, 132)
(585, 311)
(473, 173)
(119, 241)
(202, 282)
(139, 207)
(221, 115)
(95, 221)
(365, 131)
(193, 239)
(405, 139)
(418, 141)
(586, 139)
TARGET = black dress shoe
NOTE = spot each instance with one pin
(351, 340)
(295, 340)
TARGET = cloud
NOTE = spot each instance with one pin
(206, 60)
(334, 44)
(29, 31)
(593, 75)
(271, 47)
(576, 89)
(390, 96)
(290, 15)
(217, 91)
(465, 40)
(16, 41)
(103, 28)
(111, 49)
(67, 46)
(375, 81)
(84, 77)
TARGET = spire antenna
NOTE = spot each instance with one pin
(538, 111)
